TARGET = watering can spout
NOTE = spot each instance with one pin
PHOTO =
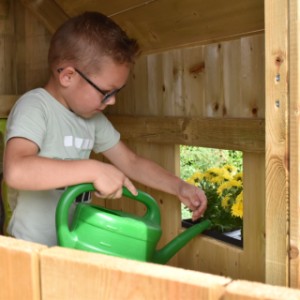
(163, 255)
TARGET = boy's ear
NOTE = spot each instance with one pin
(66, 76)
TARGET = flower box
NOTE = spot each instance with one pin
(231, 237)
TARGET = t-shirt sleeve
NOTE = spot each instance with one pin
(106, 136)
(27, 120)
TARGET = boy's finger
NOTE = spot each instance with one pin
(129, 185)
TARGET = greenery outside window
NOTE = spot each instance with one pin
(220, 174)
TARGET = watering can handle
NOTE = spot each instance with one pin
(70, 194)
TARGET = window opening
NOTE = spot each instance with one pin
(219, 172)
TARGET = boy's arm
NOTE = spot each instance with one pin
(151, 174)
(25, 170)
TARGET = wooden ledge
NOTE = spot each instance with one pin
(232, 134)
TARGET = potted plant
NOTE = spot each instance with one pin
(223, 187)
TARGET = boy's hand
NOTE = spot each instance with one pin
(194, 198)
(111, 181)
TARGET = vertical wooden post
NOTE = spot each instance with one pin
(277, 180)
(294, 144)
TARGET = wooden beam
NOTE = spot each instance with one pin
(6, 103)
(294, 142)
(48, 12)
(236, 134)
(277, 152)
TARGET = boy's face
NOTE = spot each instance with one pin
(89, 95)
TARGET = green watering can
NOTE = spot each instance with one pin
(116, 233)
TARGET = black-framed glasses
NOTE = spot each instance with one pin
(106, 94)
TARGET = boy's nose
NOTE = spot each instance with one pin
(111, 100)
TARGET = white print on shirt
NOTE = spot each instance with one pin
(78, 143)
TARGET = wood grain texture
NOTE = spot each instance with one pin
(294, 141)
(277, 178)
(220, 80)
(189, 23)
(108, 8)
(237, 134)
(246, 290)
(48, 12)
(19, 269)
(73, 274)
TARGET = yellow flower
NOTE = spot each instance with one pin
(224, 190)
(238, 177)
(217, 179)
(237, 207)
(212, 172)
(197, 176)
(227, 185)
(195, 179)
(230, 168)
(225, 201)
(217, 175)
(191, 181)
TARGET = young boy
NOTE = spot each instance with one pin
(51, 131)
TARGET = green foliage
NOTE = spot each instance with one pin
(206, 168)
(198, 159)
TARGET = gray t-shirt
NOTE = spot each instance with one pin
(59, 134)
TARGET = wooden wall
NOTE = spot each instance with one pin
(221, 82)
(33, 271)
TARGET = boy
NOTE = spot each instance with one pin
(51, 131)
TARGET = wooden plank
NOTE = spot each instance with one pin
(73, 274)
(171, 24)
(48, 12)
(19, 269)
(105, 7)
(277, 152)
(206, 254)
(246, 290)
(294, 141)
(251, 101)
(6, 103)
(236, 134)
(252, 263)
(198, 82)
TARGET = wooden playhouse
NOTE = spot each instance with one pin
(218, 74)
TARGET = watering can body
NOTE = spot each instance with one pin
(117, 233)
